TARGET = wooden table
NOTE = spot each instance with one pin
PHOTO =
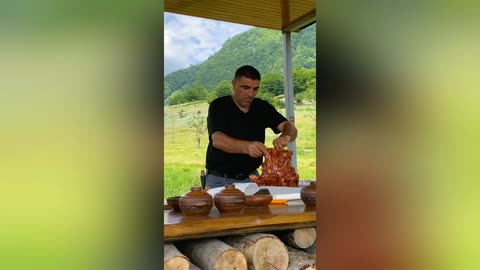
(276, 217)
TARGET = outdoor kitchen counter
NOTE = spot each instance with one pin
(276, 217)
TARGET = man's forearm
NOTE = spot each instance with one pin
(289, 130)
(228, 144)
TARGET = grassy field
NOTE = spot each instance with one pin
(184, 160)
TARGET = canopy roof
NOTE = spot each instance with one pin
(284, 15)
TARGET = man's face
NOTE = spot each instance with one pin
(244, 91)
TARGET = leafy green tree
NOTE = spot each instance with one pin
(167, 90)
(223, 89)
(301, 77)
(211, 97)
(177, 97)
(310, 93)
(196, 93)
(266, 96)
(273, 83)
(299, 98)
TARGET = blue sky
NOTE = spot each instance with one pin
(191, 40)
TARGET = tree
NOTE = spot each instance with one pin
(266, 96)
(211, 97)
(301, 77)
(167, 90)
(199, 123)
(196, 93)
(223, 89)
(177, 97)
(310, 93)
(273, 83)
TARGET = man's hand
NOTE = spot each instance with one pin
(281, 142)
(256, 149)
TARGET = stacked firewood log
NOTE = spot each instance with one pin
(284, 250)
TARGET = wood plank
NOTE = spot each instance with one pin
(275, 14)
(277, 217)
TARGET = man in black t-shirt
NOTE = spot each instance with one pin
(236, 129)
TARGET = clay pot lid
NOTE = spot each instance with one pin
(196, 192)
(230, 190)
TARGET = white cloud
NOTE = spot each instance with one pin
(191, 40)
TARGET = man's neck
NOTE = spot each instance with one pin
(243, 109)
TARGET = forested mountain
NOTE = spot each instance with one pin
(258, 47)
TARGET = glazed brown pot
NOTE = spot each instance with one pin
(229, 200)
(258, 201)
(196, 202)
(309, 194)
(174, 203)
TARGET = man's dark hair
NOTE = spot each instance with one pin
(247, 72)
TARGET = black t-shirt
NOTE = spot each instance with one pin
(225, 116)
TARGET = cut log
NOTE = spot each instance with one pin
(213, 254)
(312, 249)
(173, 259)
(299, 238)
(263, 251)
(194, 267)
(300, 260)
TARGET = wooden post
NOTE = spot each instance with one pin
(173, 259)
(213, 254)
(299, 238)
(263, 251)
(300, 260)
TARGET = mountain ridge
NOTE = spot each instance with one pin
(258, 47)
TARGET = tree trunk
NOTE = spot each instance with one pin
(299, 238)
(300, 260)
(263, 251)
(173, 259)
(194, 267)
(213, 254)
(198, 143)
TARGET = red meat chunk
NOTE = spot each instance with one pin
(276, 170)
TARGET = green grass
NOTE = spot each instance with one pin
(184, 160)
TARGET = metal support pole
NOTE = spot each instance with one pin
(288, 77)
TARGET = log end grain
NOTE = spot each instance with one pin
(231, 259)
(270, 254)
(176, 264)
(305, 237)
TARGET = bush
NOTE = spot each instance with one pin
(177, 97)
(299, 98)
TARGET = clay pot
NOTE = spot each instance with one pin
(258, 201)
(174, 203)
(229, 200)
(309, 194)
(196, 202)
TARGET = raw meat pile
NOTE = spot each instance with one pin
(276, 170)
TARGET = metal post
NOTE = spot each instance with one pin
(288, 77)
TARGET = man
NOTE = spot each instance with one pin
(236, 129)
